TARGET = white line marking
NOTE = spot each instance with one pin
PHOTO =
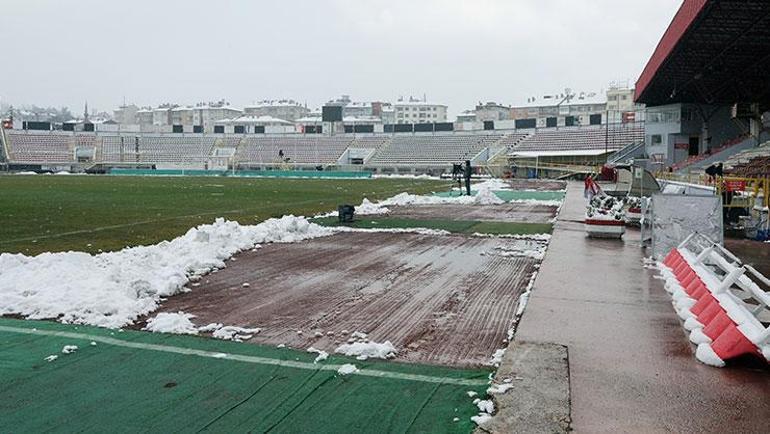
(244, 358)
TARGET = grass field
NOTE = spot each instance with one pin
(92, 213)
(454, 226)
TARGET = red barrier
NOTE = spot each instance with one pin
(700, 292)
(709, 313)
(683, 273)
(717, 325)
(670, 257)
(693, 286)
(690, 277)
(701, 305)
(732, 343)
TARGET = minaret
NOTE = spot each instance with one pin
(85, 113)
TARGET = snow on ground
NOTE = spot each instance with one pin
(179, 323)
(362, 348)
(497, 357)
(499, 388)
(51, 358)
(113, 289)
(25, 173)
(404, 176)
(235, 334)
(69, 349)
(537, 252)
(541, 202)
(483, 197)
(347, 369)
(481, 418)
(168, 322)
(322, 355)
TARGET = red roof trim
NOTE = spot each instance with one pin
(679, 25)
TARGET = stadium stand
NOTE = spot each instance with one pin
(40, 147)
(753, 163)
(581, 138)
(175, 150)
(512, 140)
(161, 150)
(719, 153)
(300, 150)
(379, 151)
(370, 142)
(433, 149)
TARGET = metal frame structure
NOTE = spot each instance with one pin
(713, 52)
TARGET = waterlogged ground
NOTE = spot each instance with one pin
(91, 213)
(446, 299)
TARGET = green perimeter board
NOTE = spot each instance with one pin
(509, 195)
(454, 226)
(106, 387)
(242, 173)
(91, 213)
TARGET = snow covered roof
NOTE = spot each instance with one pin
(275, 103)
(417, 103)
(308, 119)
(570, 153)
(561, 99)
(251, 119)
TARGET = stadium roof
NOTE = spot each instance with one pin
(713, 52)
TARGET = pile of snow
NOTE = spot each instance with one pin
(487, 197)
(113, 289)
(486, 405)
(483, 197)
(177, 323)
(347, 369)
(481, 418)
(537, 202)
(25, 173)
(235, 334)
(367, 207)
(486, 409)
(362, 348)
(499, 388)
(497, 357)
(51, 358)
(536, 251)
(322, 355)
(69, 349)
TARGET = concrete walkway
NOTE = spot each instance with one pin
(630, 365)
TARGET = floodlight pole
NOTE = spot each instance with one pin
(606, 136)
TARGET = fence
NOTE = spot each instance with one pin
(724, 303)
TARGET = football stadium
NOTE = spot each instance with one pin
(582, 261)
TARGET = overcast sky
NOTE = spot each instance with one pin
(455, 52)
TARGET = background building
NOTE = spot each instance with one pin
(566, 108)
(126, 114)
(492, 111)
(415, 111)
(286, 109)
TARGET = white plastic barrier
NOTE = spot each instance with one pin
(724, 304)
